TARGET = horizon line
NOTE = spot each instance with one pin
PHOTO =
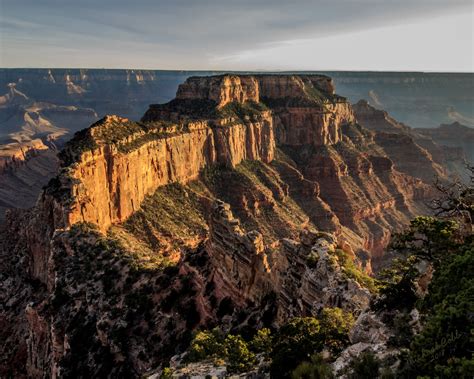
(238, 71)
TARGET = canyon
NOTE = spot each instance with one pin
(42, 108)
(243, 201)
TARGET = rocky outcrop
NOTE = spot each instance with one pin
(306, 275)
(288, 158)
(376, 119)
(108, 182)
(453, 135)
(220, 89)
(305, 107)
(23, 174)
(400, 143)
(242, 270)
(109, 168)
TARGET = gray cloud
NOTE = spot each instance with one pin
(171, 31)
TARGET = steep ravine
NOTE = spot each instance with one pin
(134, 247)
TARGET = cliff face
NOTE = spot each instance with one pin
(110, 168)
(23, 173)
(453, 135)
(107, 184)
(221, 89)
(211, 204)
(308, 110)
(110, 178)
(421, 153)
(306, 274)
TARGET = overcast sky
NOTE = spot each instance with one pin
(397, 35)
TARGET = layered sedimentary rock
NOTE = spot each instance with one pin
(376, 119)
(305, 274)
(453, 135)
(109, 168)
(220, 89)
(287, 156)
(23, 174)
(423, 153)
(109, 182)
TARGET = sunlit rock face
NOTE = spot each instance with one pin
(243, 202)
(108, 169)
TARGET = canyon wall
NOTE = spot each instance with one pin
(109, 169)
(108, 185)
(282, 153)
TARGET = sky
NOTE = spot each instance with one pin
(375, 35)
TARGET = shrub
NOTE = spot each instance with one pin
(167, 373)
(403, 333)
(239, 357)
(294, 343)
(335, 327)
(354, 272)
(398, 285)
(444, 347)
(315, 369)
(206, 344)
(312, 259)
(262, 341)
(366, 365)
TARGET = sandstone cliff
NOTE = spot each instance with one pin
(110, 168)
(453, 135)
(286, 156)
(110, 180)
(424, 153)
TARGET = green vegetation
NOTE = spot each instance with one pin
(429, 238)
(98, 275)
(81, 142)
(444, 346)
(352, 271)
(239, 357)
(300, 338)
(365, 366)
(312, 259)
(204, 109)
(249, 109)
(167, 373)
(257, 185)
(293, 344)
(171, 214)
(262, 341)
(335, 327)
(206, 344)
(316, 368)
(398, 285)
(217, 346)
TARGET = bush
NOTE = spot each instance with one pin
(239, 357)
(206, 344)
(444, 346)
(428, 238)
(315, 369)
(312, 259)
(335, 327)
(354, 272)
(403, 333)
(366, 365)
(398, 286)
(295, 342)
(167, 373)
(262, 341)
